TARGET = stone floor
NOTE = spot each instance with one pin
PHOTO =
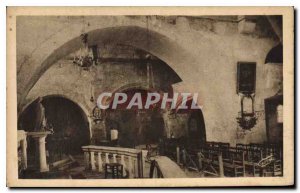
(77, 171)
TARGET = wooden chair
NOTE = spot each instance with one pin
(113, 169)
(235, 165)
(210, 162)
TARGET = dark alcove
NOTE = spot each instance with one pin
(69, 122)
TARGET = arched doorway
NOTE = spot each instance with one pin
(135, 126)
(161, 47)
(275, 55)
(196, 129)
(69, 122)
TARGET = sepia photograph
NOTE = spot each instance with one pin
(150, 97)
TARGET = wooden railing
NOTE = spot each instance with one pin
(133, 160)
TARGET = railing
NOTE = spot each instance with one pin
(133, 160)
(186, 159)
(164, 167)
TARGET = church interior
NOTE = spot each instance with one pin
(234, 63)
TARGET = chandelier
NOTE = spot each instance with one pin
(85, 56)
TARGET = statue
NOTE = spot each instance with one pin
(40, 120)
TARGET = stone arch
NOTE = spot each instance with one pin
(83, 107)
(275, 55)
(68, 121)
(197, 115)
(158, 44)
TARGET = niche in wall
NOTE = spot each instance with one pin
(274, 124)
(69, 122)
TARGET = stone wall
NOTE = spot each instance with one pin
(69, 80)
(203, 52)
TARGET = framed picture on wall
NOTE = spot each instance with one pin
(246, 76)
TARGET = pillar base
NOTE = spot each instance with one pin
(40, 137)
(45, 169)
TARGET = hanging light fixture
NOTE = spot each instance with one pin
(150, 76)
(92, 94)
(84, 58)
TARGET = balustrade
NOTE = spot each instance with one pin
(133, 160)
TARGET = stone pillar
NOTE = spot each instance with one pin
(178, 155)
(99, 162)
(24, 152)
(22, 142)
(143, 159)
(124, 165)
(87, 160)
(167, 125)
(130, 172)
(93, 161)
(106, 158)
(41, 140)
(200, 157)
(114, 158)
(221, 166)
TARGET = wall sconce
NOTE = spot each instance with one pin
(247, 120)
(98, 115)
(246, 79)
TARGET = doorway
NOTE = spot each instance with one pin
(68, 121)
